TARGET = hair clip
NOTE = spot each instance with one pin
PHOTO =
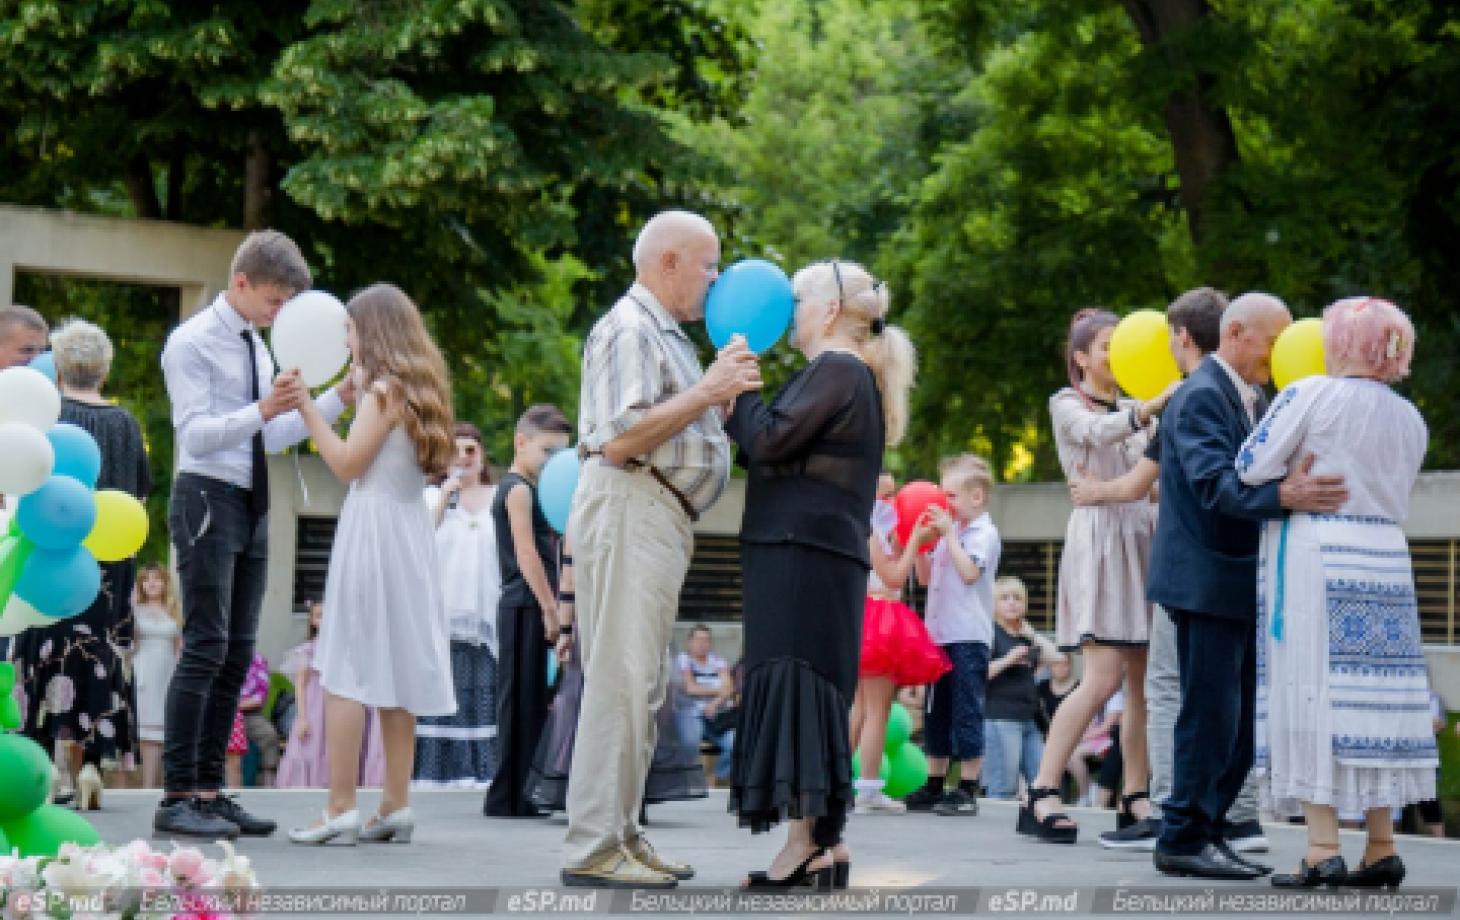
(878, 324)
(1395, 342)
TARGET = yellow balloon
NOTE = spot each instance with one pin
(120, 528)
(1298, 353)
(1140, 354)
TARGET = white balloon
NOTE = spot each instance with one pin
(27, 396)
(26, 458)
(18, 616)
(309, 333)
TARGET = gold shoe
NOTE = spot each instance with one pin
(617, 869)
(640, 849)
(88, 788)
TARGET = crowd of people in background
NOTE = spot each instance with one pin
(1235, 629)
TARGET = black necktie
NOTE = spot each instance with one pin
(258, 496)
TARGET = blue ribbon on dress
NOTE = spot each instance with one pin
(1282, 567)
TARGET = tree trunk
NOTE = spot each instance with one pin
(258, 190)
(176, 172)
(1201, 133)
(141, 189)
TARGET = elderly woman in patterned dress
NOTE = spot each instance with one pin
(71, 673)
(1342, 697)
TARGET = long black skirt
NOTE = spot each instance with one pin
(803, 634)
(675, 774)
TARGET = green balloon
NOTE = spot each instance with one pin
(10, 714)
(42, 832)
(25, 777)
(909, 771)
(884, 772)
(899, 728)
(7, 677)
(13, 553)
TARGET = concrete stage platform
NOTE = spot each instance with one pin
(457, 848)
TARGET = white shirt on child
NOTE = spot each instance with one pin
(958, 611)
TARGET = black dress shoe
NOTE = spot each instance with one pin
(1233, 855)
(1211, 862)
(1331, 872)
(1386, 873)
(183, 818)
(227, 808)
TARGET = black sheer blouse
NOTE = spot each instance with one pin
(813, 455)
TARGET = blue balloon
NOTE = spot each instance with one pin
(59, 583)
(752, 298)
(555, 488)
(77, 455)
(45, 362)
(58, 515)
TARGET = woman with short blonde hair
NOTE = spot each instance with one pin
(1342, 690)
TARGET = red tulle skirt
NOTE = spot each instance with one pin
(896, 644)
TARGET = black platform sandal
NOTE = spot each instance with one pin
(1049, 829)
(800, 877)
(1124, 817)
(841, 877)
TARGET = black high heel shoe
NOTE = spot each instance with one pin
(1124, 817)
(841, 876)
(1047, 828)
(1386, 873)
(800, 877)
(1331, 872)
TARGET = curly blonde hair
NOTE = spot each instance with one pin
(397, 351)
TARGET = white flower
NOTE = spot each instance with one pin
(84, 720)
(234, 870)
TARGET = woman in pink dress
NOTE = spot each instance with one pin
(306, 762)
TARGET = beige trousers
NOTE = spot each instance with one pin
(631, 545)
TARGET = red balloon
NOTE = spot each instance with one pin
(911, 501)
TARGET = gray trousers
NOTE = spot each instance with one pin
(1163, 703)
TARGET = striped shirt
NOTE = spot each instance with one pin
(637, 357)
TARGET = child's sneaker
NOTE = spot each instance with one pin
(957, 802)
(879, 803)
(922, 799)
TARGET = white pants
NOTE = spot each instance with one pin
(631, 544)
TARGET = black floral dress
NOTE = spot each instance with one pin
(71, 678)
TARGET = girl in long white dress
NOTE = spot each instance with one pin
(383, 640)
(1342, 696)
(157, 622)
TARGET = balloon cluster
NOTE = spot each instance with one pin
(27, 822)
(61, 527)
(904, 766)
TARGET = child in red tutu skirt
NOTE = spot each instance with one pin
(896, 648)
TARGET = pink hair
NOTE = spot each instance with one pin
(1370, 335)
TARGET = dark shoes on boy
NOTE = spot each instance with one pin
(218, 818)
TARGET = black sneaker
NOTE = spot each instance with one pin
(1141, 835)
(957, 802)
(1246, 837)
(922, 799)
(227, 808)
(183, 818)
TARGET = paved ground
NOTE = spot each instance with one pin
(455, 847)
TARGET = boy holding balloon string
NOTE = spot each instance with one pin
(527, 614)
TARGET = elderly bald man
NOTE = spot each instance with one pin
(1204, 573)
(656, 457)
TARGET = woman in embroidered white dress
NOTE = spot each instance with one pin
(1342, 718)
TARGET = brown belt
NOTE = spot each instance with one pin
(632, 464)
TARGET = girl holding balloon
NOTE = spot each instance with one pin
(896, 648)
(1102, 607)
(383, 640)
(78, 697)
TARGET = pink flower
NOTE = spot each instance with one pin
(151, 878)
(185, 864)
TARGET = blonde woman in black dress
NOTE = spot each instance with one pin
(813, 454)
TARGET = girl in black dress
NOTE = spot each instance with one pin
(813, 457)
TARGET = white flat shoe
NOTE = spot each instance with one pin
(345, 827)
(398, 826)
